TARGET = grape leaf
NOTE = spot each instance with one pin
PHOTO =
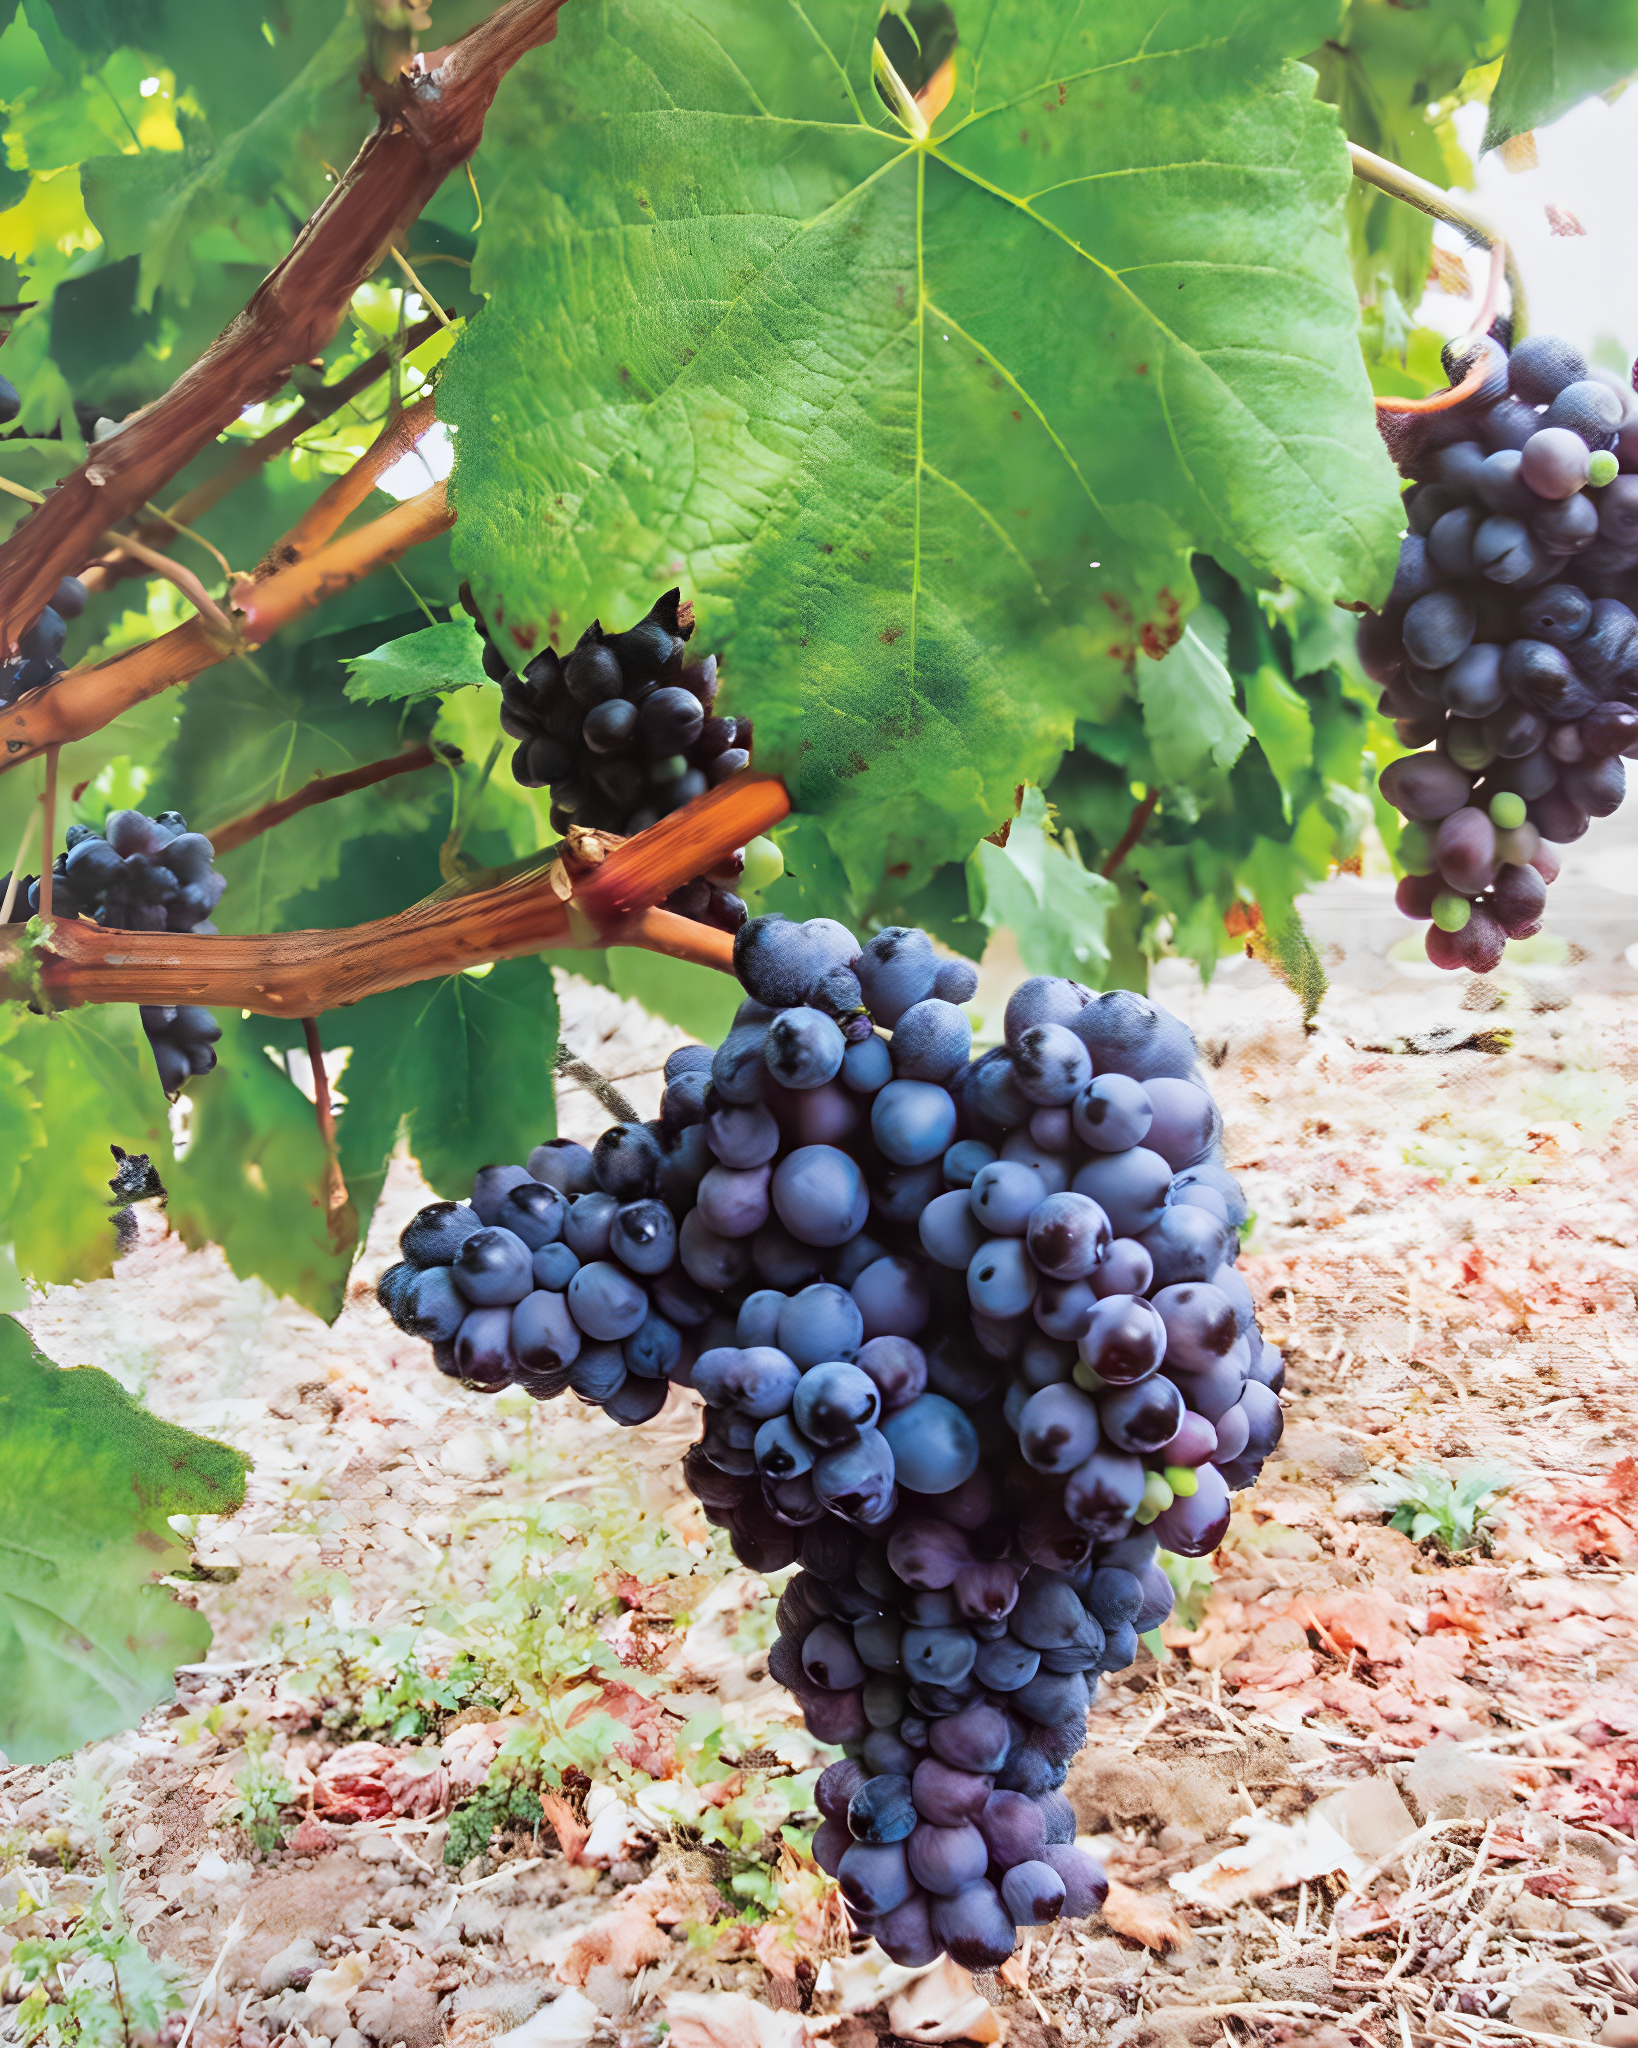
(463, 1068)
(88, 1640)
(1038, 889)
(1395, 75)
(1560, 51)
(744, 332)
(1189, 711)
(249, 1179)
(86, 1081)
(417, 665)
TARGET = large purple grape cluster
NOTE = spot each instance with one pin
(622, 732)
(1508, 649)
(142, 874)
(972, 1348)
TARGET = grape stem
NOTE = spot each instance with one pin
(86, 699)
(14, 881)
(298, 974)
(339, 1215)
(431, 120)
(252, 456)
(1399, 183)
(586, 1076)
(323, 789)
(47, 855)
(1142, 811)
(160, 565)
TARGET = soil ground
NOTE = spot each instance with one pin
(1375, 1791)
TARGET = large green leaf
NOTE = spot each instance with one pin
(1038, 888)
(79, 1083)
(1395, 74)
(250, 1178)
(88, 1640)
(930, 428)
(1560, 51)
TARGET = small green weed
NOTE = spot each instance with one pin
(1453, 1511)
(96, 1987)
(501, 1803)
(265, 1793)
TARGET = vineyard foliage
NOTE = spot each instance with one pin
(995, 380)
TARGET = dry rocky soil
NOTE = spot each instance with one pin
(1373, 1790)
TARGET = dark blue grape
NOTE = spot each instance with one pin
(934, 1445)
(974, 1926)
(945, 1859)
(882, 1811)
(554, 1266)
(931, 1041)
(436, 1233)
(819, 1324)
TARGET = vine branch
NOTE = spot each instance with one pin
(86, 699)
(432, 118)
(297, 974)
(586, 1076)
(1136, 825)
(1399, 183)
(323, 789)
(341, 1219)
(250, 456)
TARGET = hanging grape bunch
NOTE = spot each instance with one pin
(142, 874)
(972, 1348)
(38, 657)
(1508, 650)
(622, 733)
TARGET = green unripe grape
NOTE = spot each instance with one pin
(1085, 1378)
(1507, 810)
(1602, 467)
(1465, 744)
(667, 769)
(764, 863)
(1183, 1480)
(1416, 849)
(1450, 911)
(1157, 1497)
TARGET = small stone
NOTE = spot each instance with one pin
(1547, 2012)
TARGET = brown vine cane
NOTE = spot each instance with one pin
(298, 974)
(432, 120)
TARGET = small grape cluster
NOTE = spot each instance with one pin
(142, 874)
(39, 656)
(971, 1347)
(1508, 649)
(622, 733)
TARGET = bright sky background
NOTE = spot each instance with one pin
(1584, 287)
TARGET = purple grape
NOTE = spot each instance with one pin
(874, 1877)
(881, 1811)
(1085, 1886)
(1013, 1827)
(1141, 1418)
(1069, 1234)
(1194, 1443)
(906, 1933)
(1440, 626)
(974, 1926)
(1125, 1269)
(1127, 1340)
(1033, 1893)
(899, 1370)
(1196, 1523)
(1426, 787)
(928, 1553)
(1465, 848)
(1051, 1064)
(1058, 1429)
(1103, 1494)
(976, 1740)
(944, 1859)
(946, 1794)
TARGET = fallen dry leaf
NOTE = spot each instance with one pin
(941, 2004)
(1145, 1916)
(1274, 1857)
(727, 2019)
(570, 1830)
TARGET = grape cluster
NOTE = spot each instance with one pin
(971, 1346)
(39, 656)
(1508, 649)
(142, 874)
(622, 733)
